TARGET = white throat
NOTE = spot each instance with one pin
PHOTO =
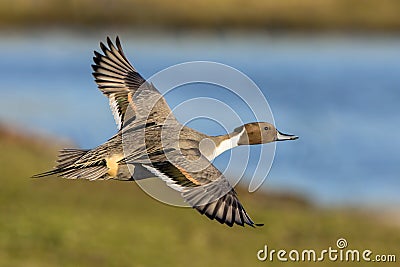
(227, 144)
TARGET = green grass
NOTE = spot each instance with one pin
(379, 15)
(56, 222)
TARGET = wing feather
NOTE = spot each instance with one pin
(210, 199)
(116, 78)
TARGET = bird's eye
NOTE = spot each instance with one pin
(266, 128)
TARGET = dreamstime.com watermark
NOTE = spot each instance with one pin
(339, 253)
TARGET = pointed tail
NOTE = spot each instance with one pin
(67, 166)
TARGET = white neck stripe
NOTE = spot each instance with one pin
(227, 144)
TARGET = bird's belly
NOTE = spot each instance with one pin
(133, 172)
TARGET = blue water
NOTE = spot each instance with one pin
(340, 94)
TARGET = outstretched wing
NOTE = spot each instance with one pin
(214, 198)
(119, 81)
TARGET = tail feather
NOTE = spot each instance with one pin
(67, 167)
(69, 156)
(44, 174)
(90, 173)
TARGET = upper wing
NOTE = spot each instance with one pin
(214, 198)
(119, 81)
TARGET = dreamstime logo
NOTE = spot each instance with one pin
(332, 254)
(341, 243)
(157, 124)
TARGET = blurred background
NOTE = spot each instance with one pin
(330, 71)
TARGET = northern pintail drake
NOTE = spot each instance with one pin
(150, 142)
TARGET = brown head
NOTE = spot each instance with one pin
(255, 133)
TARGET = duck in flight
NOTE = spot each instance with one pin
(150, 142)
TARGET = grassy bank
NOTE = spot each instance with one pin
(373, 15)
(56, 222)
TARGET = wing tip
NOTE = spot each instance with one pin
(118, 43)
(103, 47)
(110, 43)
(237, 210)
(232, 222)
